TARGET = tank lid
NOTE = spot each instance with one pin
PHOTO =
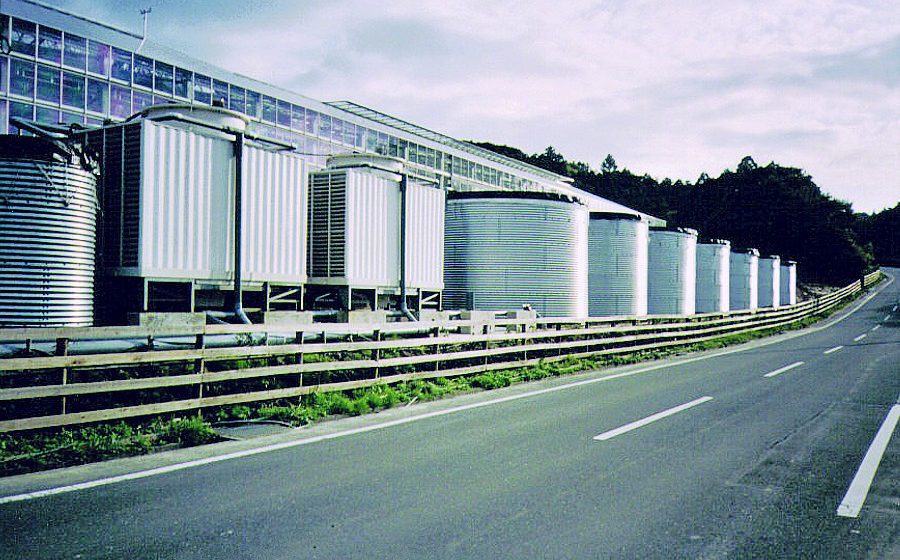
(217, 117)
(772, 257)
(13, 146)
(746, 251)
(345, 161)
(617, 216)
(667, 229)
(788, 263)
(715, 242)
(514, 195)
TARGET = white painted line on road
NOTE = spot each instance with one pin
(886, 317)
(784, 369)
(860, 337)
(275, 447)
(652, 418)
(856, 494)
(894, 308)
(832, 350)
(876, 327)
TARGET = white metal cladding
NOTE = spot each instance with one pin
(48, 225)
(187, 204)
(617, 266)
(671, 283)
(744, 289)
(425, 237)
(769, 281)
(788, 283)
(507, 251)
(713, 277)
(274, 216)
(355, 230)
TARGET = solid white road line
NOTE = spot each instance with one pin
(860, 337)
(876, 327)
(784, 369)
(832, 350)
(653, 418)
(856, 494)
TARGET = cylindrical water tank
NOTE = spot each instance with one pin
(48, 227)
(617, 264)
(713, 276)
(788, 282)
(504, 250)
(769, 281)
(671, 283)
(744, 290)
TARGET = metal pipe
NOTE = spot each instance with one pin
(238, 226)
(403, 307)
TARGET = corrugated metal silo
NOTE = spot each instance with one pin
(743, 278)
(617, 264)
(713, 276)
(788, 281)
(509, 249)
(769, 281)
(48, 232)
(672, 276)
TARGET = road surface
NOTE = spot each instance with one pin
(744, 453)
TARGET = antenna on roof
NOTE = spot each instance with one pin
(144, 14)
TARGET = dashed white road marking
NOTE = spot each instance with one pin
(832, 350)
(784, 369)
(856, 494)
(652, 418)
(860, 337)
(886, 317)
(876, 327)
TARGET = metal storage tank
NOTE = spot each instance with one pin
(169, 197)
(356, 220)
(788, 281)
(713, 276)
(672, 276)
(48, 232)
(744, 288)
(769, 281)
(509, 249)
(617, 264)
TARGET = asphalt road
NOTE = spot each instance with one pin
(754, 467)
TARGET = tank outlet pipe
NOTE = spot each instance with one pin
(403, 194)
(238, 227)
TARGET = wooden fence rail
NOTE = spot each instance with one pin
(357, 356)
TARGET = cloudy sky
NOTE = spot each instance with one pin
(672, 89)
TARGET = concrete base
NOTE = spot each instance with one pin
(433, 315)
(482, 322)
(363, 316)
(161, 320)
(287, 318)
(529, 315)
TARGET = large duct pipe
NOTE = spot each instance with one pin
(238, 226)
(403, 193)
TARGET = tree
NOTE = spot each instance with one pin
(747, 165)
(609, 164)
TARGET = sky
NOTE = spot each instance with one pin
(673, 89)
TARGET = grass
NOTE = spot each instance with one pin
(30, 452)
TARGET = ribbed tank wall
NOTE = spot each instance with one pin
(617, 266)
(744, 274)
(713, 277)
(48, 231)
(788, 283)
(672, 275)
(769, 281)
(505, 252)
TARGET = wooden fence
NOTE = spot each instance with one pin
(38, 390)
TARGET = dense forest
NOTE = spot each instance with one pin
(779, 210)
